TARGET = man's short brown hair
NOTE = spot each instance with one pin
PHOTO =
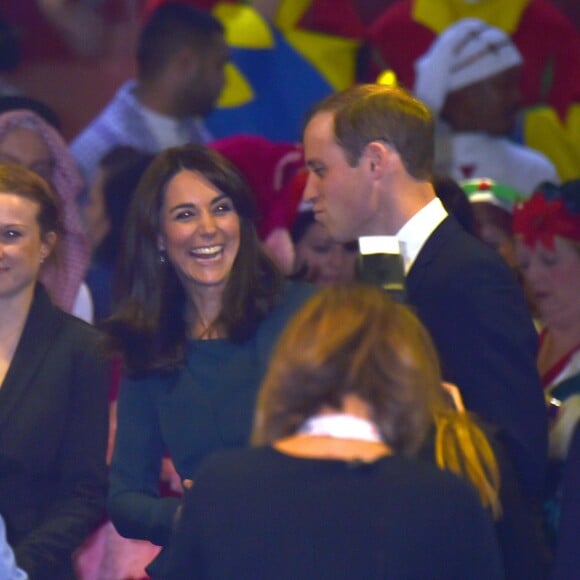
(367, 113)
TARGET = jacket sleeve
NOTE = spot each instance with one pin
(184, 559)
(490, 340)
(80, 495)
(134, 503)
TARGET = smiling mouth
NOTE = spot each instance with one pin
(207, 252)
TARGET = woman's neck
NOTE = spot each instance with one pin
(14, 309)
(346, 434)
(557, 343)
(13, 314)
(332, 448)
(203, 309)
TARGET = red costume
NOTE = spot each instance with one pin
(548, 41)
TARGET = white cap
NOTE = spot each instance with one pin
(467, 52)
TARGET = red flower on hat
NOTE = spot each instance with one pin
(540, 220)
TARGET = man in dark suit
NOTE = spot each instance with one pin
(369, 152)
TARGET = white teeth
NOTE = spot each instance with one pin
(208, 251)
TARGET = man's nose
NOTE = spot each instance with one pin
(310, 192)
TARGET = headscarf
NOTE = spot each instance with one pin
(467, 52)
(553, 210)
(63, 275)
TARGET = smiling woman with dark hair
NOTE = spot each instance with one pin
(200, 306)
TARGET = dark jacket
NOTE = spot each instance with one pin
(53, 438)
(471, 303)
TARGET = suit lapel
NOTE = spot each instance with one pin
(437, 245)
(42, 325)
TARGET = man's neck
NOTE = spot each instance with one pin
(409, 198)
(155, 98)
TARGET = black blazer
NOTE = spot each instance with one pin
(472, 305)
(53, 438)
(567, 561)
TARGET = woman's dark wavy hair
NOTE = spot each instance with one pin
(148, 328)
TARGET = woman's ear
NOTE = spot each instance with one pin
(161, 243)
(47, 245)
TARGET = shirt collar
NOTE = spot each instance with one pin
(413, 235)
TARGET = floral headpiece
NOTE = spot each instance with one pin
(551, 211)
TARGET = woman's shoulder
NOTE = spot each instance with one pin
(51, 320)
(77, 327)
(424, 472)
(292, 296)
(413, 475)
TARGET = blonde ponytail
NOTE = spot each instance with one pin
(462, 447)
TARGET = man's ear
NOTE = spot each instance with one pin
(376, 156)
(383, 159)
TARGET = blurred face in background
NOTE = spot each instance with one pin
(27, 148)
(23, 248)
(326, 261)
(552, 277)
(489, 106)
(494, 229)
(204, 79)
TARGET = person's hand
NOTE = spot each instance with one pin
(280, 249)
(170, 476)
(455, 394)
(185, 484)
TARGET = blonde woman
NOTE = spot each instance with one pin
(53, 392)
(331, 489)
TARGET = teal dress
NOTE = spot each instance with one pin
(206, 406)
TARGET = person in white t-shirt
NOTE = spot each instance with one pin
(181, 56)
(469, 78)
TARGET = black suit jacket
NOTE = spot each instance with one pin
(567, 561)
(475, 311)
(53, 437)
